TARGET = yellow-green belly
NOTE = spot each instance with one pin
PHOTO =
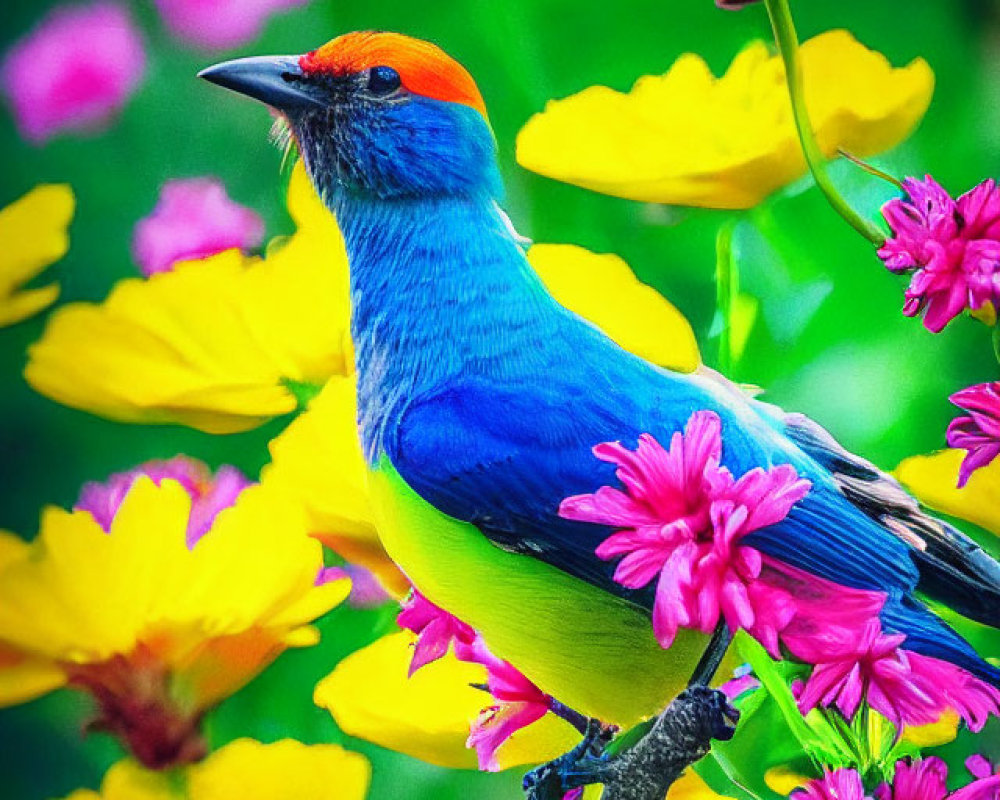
(589, 649)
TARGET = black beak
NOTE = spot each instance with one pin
(275, 80)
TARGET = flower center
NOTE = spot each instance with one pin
(135, 704)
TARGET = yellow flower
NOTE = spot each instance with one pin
(216, 344)
(317, 459)
(33, 232)
(428, 715)
(933, 479)
(602, 289)
(248, 770)
(689, 138)
(159, 632)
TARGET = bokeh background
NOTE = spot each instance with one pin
(829, 341)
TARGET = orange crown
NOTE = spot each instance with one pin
(423, 68)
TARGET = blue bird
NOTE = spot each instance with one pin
(481, 398)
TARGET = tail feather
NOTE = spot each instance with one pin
(929, 635)
(954, 570)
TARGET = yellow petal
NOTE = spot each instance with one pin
(249, 770)
(934, 734)
(784, 780)
(26, 303)
(317, 459)
(933, 479)
(23, 677)
(428, 715)
(541, 741)
(213, 615)
(33, 230)
(127, 780)
(12, 548)
(212, 344)
(688, 138)
(285, 770)
(603, 290)
(690, 786)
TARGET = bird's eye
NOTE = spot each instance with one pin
(383, 81)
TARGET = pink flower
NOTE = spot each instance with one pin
(987, 783)
(436, 631)
(682, 517)
(926, 780)
(209, 493)
(74, 71)
(805, 611)
(519, 704)
(219, 24)
(518, 701)
(850, 668)
(841, 784)
(193, 218)
(979, 431)
(905, 687)
(916, 780)
(951, 247)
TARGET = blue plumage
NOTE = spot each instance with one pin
(487, 397)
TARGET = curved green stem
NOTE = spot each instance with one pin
(788, 47)
(726, 287)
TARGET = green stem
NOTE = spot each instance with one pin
(726, 288)
(788, 47)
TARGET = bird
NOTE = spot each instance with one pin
(480, 400)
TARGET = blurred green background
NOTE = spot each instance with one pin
(830, 340)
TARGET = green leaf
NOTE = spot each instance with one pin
(816, 735)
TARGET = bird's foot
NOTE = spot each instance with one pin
(578, 767)
(681, 735)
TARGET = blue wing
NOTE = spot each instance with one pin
(503, 456)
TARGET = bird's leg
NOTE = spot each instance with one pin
(709, 662)
(681, 735)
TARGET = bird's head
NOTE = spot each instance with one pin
(376, 113)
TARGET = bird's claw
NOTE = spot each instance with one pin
(551, 781)
(680, 736)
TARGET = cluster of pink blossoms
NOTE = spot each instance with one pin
(518, 701)
(924, 779)
(682, 517)
(952, 248)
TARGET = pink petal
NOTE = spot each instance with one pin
(74, 71)
(193, 218)
(220, 24)
(496, 725)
